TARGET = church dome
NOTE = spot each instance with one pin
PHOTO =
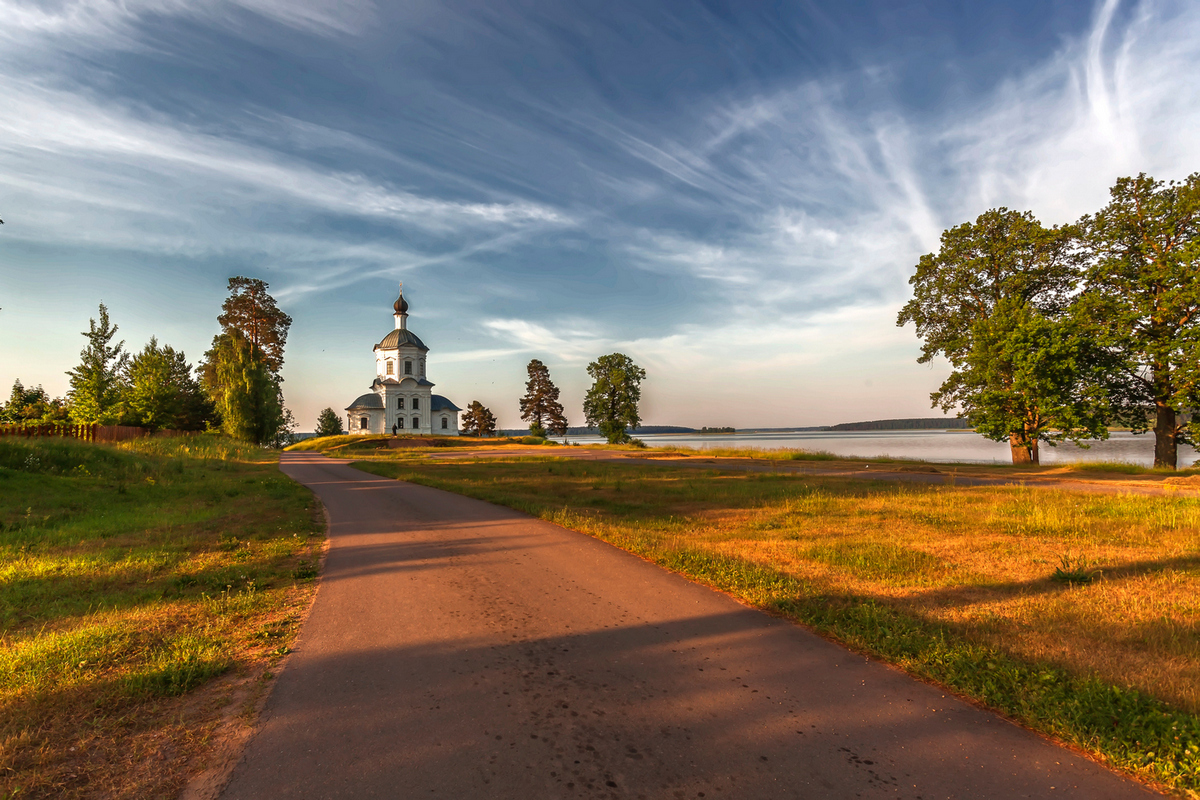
(371, 400)
(401, 305)
(399, 337)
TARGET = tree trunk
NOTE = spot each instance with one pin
(1021, 452)
(1165, 448)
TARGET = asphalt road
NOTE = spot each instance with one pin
(457, 649)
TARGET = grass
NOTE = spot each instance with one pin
(132, 577)
(352, 444)
(1077, 614)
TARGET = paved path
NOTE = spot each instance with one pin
(457, 649)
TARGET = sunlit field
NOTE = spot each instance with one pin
(144, 588)
(1078, 614)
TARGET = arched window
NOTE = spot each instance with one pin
(390, 367)
(362, 423)
(416, 403)
(399, 422)
(400, 403)
(408, 368)
(445, 423)
(416, 422)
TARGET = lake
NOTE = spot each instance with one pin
(933, 445)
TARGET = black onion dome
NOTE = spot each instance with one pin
(401, 305)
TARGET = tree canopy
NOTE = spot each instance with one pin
(611, 403)
(1143, 294)
(97, 383)
(252, 312)
(478, 420)
(240, 373)
(1030, 379)
(32, 405)
(244, 391)
(987, 301)
(161, 391)
(540, 406)
(329, 423)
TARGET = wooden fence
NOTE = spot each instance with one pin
(87, 433)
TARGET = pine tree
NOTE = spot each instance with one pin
(252, 312)
(96, 384)
(240, 373)
(612, 402)
(540, 406)
(478, 420)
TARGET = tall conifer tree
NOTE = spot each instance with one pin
(97, 383)
(540, 406)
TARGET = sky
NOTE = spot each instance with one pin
(734, 194)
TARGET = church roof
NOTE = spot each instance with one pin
(399, 337)
(439, 403)
(406, 378)
(371, 400)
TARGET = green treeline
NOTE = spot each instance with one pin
(236, 388)
(1056, 334)
(918, 424)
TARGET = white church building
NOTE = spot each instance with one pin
(401, 399)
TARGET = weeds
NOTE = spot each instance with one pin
(1074, 569)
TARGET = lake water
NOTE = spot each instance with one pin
(945, 446)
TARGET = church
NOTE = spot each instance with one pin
(401, 398)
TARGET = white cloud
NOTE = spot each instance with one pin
(843, 201)
(31, 25)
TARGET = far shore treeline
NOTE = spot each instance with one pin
(236, 388)
(1057, 334)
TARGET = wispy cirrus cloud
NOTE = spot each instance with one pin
(33, 25)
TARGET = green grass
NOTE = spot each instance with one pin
(962, 586)
(132, 576)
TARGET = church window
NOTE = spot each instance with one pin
(416, 422)
(416, 403)
(408, 368)
(362, 423)
(445, 423)
(390, 368)
(400, 403)
(399, 422)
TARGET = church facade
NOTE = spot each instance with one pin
(401, 399)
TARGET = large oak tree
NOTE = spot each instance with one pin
(1143, 296)
(612, 403)
(987, 302)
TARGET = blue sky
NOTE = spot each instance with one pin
(733, 194)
